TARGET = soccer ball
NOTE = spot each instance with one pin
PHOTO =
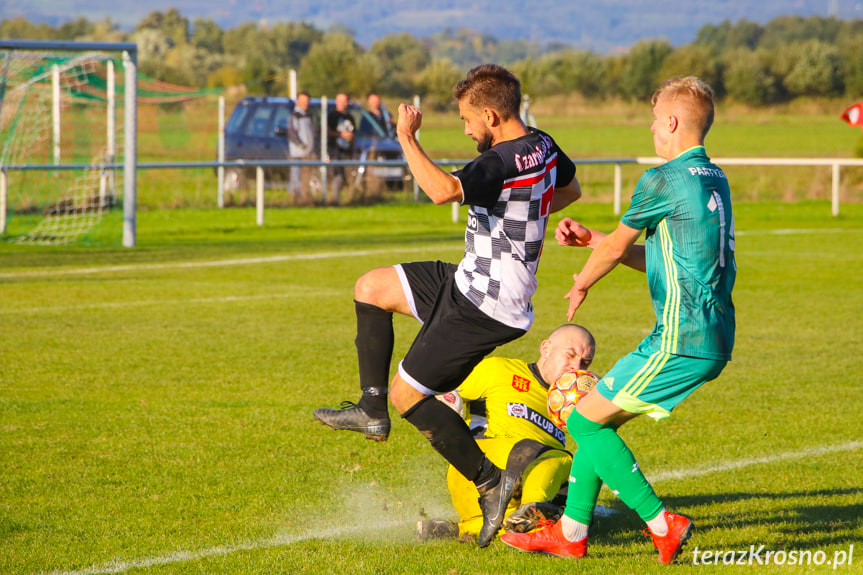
(566, 391)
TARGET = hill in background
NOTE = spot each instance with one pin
(601, 27)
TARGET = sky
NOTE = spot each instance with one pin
(599, 26)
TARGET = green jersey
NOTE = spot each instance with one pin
(685, 207)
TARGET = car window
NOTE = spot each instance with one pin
(367, 125)
(281, 116)
(236, 119)
(257, 124)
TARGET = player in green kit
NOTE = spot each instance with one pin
(684, 208)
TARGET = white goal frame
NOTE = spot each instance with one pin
(129, 52)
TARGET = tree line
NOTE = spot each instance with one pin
(787, 58)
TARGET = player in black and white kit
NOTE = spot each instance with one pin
(520, 177)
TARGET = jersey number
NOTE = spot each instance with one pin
(545, 206)
(722, 225)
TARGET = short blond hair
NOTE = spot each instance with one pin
(692, 97)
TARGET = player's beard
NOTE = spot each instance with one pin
(483, 143)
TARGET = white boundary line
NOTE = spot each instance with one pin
(203, 300)
(324, 255)
(741, 463)
(282, 540)
(795, 231)
(221, 550)
(209, 264)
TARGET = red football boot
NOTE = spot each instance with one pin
(670, 544)
(548, 539)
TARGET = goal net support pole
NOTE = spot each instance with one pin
(130, 133)
(129, 52)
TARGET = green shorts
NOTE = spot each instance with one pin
(653, 383)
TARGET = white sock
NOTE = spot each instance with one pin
(658, 525)
(573, 530)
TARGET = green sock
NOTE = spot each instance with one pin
(584, 486)
(613, 463)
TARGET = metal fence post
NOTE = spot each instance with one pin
(259, 194)
(324, 157)
(130, 148)
(107, 179)
(55, 111)
(220, 171)
(835, 190)
(4, 194)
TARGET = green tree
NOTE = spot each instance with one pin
(328, 65)
(241, 41)
(153, 47)
(189, 65)
(809, 68)
(851, 53)
(402, 57)
(568, 71)
(21, 29)
(694, 60)
(785, 30)
(74, 29)
(509, 51)
(748, 78)
(207, 35)
(171, 23)
(365, 76)
(288, 43)
(641, 72)
(104, 31)
(743, 34)
(436, 82)
(463, 47)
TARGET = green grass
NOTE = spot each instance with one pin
(157, 414)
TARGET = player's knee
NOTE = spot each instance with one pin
(378, 287)
(403, 396)
(367, 288)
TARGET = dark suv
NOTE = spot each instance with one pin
(257, 130)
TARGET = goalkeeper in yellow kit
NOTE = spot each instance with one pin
(504, 402)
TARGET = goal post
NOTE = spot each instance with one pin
(37, 79)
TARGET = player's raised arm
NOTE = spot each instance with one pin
(438, 185)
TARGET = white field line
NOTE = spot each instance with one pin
(160, 302)
(208, 264)
(221, 550)
(323, 255)
(741, 463)
(283, 540)
(795, 231)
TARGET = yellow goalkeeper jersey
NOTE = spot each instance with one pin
(515, 402)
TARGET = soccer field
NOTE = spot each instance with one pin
(156, 403)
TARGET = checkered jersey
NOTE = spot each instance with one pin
(509, 190)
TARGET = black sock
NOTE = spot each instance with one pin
(374, 343)
(450, 436)
(488, 477)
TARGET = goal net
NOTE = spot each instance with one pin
(61, 145)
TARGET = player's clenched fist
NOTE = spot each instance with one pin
(410, 119)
